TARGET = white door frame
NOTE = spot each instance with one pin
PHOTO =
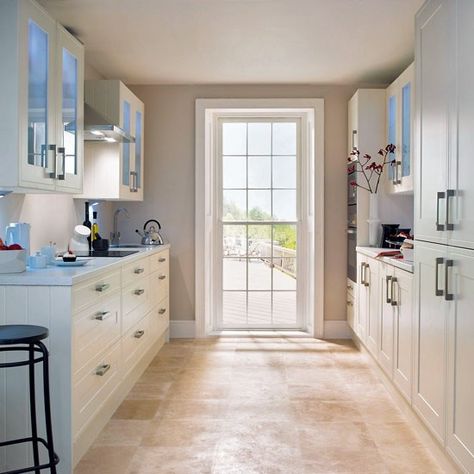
(207, 111)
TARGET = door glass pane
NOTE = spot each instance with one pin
(284, 307)
(235, 274)
(260, 274)
(284, 272)
(235, 240)
(259, 308)
(234, 172)
(406, 130)
(284, 172)
(138, 147)
(284, 138)
(126, 146)
(38, 60)
(260, 205)
(234, 138)
(232, 304)
(392, 131)
(260, 240)
(260, 138)
(69, 111)
(260, 171)
(284, 205)
(234, 205)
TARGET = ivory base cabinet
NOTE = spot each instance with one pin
(104, 332)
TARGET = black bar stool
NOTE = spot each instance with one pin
(27, 338)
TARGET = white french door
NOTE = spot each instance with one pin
(259, 231)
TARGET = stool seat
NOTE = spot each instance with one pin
(22, 334)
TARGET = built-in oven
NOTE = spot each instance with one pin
(351, 253)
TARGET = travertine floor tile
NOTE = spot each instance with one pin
(255, 405)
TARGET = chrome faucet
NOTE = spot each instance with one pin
(115, 235)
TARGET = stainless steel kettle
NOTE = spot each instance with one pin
(151, 233)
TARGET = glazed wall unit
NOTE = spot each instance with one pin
(444, 214)
(104, 331)
(115, 171)
(400, 97)
(41, 96)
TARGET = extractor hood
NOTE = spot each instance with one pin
(99, 129)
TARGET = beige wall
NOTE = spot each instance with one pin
(169, 180)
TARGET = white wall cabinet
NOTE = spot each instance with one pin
(399, 109)
(41, 125)
(100, 343)
(115, 171)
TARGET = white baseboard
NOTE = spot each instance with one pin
(182, 329)
(337, 330)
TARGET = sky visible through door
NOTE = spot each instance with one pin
(259, 223)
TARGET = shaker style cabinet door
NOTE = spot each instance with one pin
(434, 60)
(385, 354)
(373, 308)
(363, 300)
(70, 107)
(430, 336)
(460, 194)
(460, 406)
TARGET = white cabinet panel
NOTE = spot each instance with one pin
(434, 118)
(387, 320)
(460, 407)
(362, 298)
(430, 336)
(373, 308)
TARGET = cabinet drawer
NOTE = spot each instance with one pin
(159, 319)
(159, 262)
(94, 329)
(135, 343)
(94, 290)
(350, 287)
(159, 287)
(93, 384)
(135, 294)
(135, 270)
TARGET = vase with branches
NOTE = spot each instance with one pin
(371, 169)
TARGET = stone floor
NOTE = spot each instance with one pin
(258, 405)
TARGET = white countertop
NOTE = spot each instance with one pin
(63, 276)
(401, 263)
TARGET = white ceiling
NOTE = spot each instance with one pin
(243, 41)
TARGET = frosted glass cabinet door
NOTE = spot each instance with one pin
(39, 159)
(69, 163)
(126, 147)
(139, 178)
(392, 133)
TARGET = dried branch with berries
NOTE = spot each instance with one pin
(370, 168)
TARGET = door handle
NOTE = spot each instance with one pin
(394, 301)
(162, 311)
(102, 369)
(366, 283)
(139, 270)
(439, 196)
(449, 194)
(103, 287)
(388, 281)
(139, 334)
(62, 152)
(52, 152)
(161, 277)
(447, 295)
(439, 261)
(398, 164)
(162, 259)
(354, 133)
(362, 267)
(101, 315)
(139, 292)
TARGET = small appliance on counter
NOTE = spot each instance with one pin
(79, 241)
(151, 233)
(18, 233)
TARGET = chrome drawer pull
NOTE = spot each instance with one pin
(139, 334)
(102, 369)
(449, 194)
(439, 261)
(447, 295)
(388, 299)
(161, 277)
(101, 315)
(366, 282)
(103, 287)
(162, 311)
(439, 196)
(139, 270)
(162, 259)
(394, 301)
(139, 292)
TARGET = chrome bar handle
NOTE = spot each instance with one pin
(392, 291)
(62, 152)
(162, 259)
(139, 270)
(362, 267)
(354, 133)
(447, 295)
(162, 311)
(161, 277)
(139, 334)
(439, 261)
(139, 292)
(102, 315)
(52, 151)
(398, 164)
(102, 369)
(133, 182)
(440, 195)
(103, 287)
(366, 283)
(388, 280)
(449, 194)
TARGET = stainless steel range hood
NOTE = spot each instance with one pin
(99, 129)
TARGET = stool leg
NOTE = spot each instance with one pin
(34, 428)
(47, 407)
